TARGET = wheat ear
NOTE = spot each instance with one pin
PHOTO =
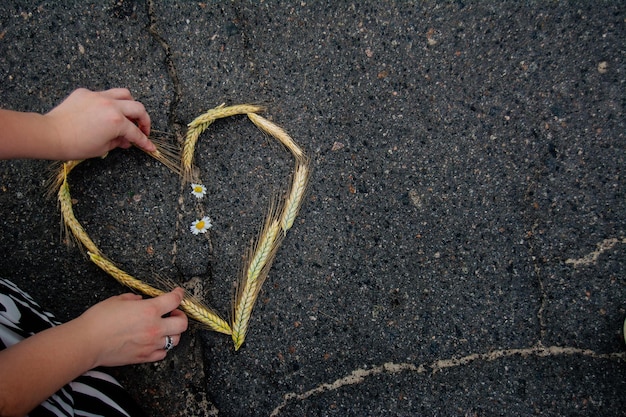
(199, 125)
(194, 309)
(223, 111)
(199, 312)
(69, 220)
(260, 260)
(294, 201)
(122, 277)
(189, 148)
(59, 171)
(277, 132)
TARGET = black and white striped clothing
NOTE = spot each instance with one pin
(95, 393)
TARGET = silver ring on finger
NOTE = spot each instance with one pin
(169, 343)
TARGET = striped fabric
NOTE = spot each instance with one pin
(94, 393)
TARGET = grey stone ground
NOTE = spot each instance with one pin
(462, 247)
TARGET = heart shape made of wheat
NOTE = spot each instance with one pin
(260, 256)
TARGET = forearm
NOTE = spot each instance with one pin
(27, 135)
(85, 125)
(35, 368)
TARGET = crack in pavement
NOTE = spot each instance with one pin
(198, 401)
(171, 70)
(176, 97)
(178, 127)
(360, 375)
(592, 257)
(539, 351)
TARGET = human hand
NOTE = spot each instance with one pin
(89, 124)
(127, 329)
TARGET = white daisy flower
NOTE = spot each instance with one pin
(198, 190)
(201, 226)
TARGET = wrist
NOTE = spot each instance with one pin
(87, 337)
(26, 135)
(51, 140)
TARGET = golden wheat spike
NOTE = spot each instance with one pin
(193, 308)
(69, 220)
(250, 284)
(59, 171)
(223, 111)
(200, 313)
(294, 201)
(277, 132)
(189, 149)
(200, 124)
(266, 244)
(122, 277)
(243, 312)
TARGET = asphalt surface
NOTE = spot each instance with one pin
(462, 247)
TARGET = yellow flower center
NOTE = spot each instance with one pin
(200, 225)
(197, 189)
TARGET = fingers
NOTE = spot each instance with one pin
(169, 301)
(117, 94)
(135, 111)
(133, 135)
(175, 324)
(132, 109)
(136, 127)
(137, 130)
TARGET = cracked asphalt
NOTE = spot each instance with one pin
(462, 247)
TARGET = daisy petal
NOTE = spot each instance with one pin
(201, 226)
(198, 190)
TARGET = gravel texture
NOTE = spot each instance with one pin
(462, 246)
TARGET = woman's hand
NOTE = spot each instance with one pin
(89, 124)
(86, 124)
(120, 330)
(127, 329)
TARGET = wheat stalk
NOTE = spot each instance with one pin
(194, 309)
(59, 171)
(294, 201)
(123, 277)
(223, 111)
(258, 267)
(277, 132)
(199, 125)
(267, 245)
(197, 311)
(69, 220)
(189, 149)
(264, 252)
(264, 249)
